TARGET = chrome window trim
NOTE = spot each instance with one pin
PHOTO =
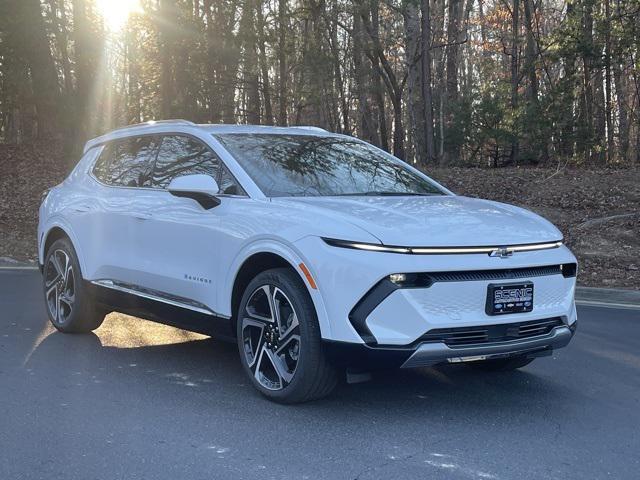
(530, 247)
(155, 189)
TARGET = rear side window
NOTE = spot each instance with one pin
(127, 163)
(180, 155)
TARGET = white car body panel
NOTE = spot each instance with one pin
(149, 238)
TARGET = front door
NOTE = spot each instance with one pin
(180, 240)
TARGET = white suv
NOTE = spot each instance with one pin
(316, 252)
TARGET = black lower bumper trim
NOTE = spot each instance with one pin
(367, 357)
(360, 355)
(433, 353)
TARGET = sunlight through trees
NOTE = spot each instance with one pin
(485, 82)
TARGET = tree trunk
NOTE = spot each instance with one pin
(621, 95)
(134, 114)
(530, 53)
(60, 30)
(365, 121)
(453, 28)
(538, 147)
(264, 67)
(165, 34)
(515, 26)
(229, 69)
(610, 152)
(282, 62)
(339, 81)
(398, 127)
(623, 115)
(437, 13)
(483, 28)
(378, 89)
(452, 147)
(250, 75)
(567, 84)
(34, 45)
(212, 68)
(415, 99)
(427, 92)
(592, 119)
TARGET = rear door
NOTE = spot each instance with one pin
(123, 195)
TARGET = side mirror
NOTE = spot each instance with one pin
(202, 188)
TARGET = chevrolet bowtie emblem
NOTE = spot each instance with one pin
(502, 252)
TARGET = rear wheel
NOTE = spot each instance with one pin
(502, 364)
(279, 339)
(69, 305)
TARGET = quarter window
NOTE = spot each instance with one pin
(180, 155)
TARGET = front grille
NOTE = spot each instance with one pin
(491, 333)
(502, 274)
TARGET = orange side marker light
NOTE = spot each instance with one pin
(307, 274)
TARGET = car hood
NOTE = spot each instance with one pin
(447, 220)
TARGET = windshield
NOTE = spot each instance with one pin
(309, 165)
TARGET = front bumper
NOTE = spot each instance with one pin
(426, 354)
(433, 353)
(352, 309)
(405, 314)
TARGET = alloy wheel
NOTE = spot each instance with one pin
(271, 337)
(59, 286)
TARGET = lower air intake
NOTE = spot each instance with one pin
(464, 336)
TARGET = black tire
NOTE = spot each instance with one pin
(313, 376)
(81, 315)
(502, 364)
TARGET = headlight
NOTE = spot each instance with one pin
(502, 251)
(373, 247)
(398, 278)
(411, 280)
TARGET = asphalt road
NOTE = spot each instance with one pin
(139, 400)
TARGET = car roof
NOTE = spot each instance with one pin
(184, 126)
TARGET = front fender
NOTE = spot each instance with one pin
(289, 253)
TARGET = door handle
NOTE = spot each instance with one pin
(142, 216)
(81, 208)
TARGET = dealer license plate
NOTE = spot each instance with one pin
(509, 298)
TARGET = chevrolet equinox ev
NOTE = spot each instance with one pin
(317, 253)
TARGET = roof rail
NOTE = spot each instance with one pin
(308, 127)
(98, 140)
(150, 123)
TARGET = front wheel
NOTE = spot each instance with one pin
(279, 339)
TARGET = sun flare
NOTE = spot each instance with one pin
(116, 12)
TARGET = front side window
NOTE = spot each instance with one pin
(309, 165)
(180, 155)
(128, 162)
